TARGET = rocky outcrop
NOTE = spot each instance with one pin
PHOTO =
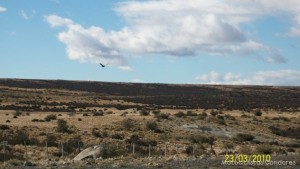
(89, 152)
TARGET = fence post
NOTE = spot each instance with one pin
(78, 145)
(132, 148)
(62, 150)
(149, 150)
(4, 143)
(47, 149)
(165, 150)
(26, 155)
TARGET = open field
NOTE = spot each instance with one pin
(186, 126)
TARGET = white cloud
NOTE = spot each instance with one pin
(88, 44)
(55, 21)
(137, 80)
(2, 9)
(178, 28)
(24, 15)
(279, 77)
(27, 15)
(126, 68)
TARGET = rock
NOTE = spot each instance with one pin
(89, 152)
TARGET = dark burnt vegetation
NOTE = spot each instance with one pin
(161, 95)
(286, 132)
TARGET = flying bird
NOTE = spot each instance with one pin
(102, 65)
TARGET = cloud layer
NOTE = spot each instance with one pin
(280, 77)
(178, 28)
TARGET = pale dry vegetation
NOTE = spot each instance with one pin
(31, 118)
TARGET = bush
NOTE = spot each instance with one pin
(220, 117)
(62, 126)
(229, 117)
(162, 116)
(51, 140)
(79, 119)
(243, 137)
(179, 114)
(289, 132)
(73, 144)
(264, 149)
(189, 150)
(111, 150)
(18, 137)
(109, 112)
(50, 117)
(202, 139)
(96, 133)
(128, 124)
(144, 112)
(35, 120)
(156, 112)
(117, 136)
(203, 114)
(221, 121)
(85, 114)
(98, 113)
(17, 113)
(4, 127)
(214, 112)
(281, 118)
(152, 126)
(290, 149)
(257, 113)
(190, 113)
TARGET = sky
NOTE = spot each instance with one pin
(235, 42)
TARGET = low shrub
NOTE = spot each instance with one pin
(96, 132)
(50, 117)
(162, 116)
(110, 150)
(128, 124)
(189, 150)
(179, 114)
(152, 126)
(62, 126)
(289, 132)
(4, 127)
(202, 139)
(98, 113)
(243, 137)
(117, 136)
(190, 113)
(258, 113)
(264, 149)
(35, 120)
(156, 112)
(144, 112)
(73, 144)
(214, 112)
(17, 113)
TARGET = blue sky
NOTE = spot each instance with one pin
(167, 41)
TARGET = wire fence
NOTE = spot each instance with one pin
(110, 149)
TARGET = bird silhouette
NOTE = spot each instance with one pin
(102, 65)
